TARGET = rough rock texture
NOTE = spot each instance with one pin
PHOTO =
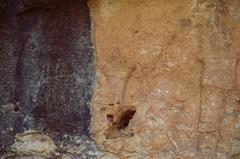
(168, 78)
(47, 76)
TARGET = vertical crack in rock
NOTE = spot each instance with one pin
(47, 75)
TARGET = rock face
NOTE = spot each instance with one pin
(47, 75)
(167, 78)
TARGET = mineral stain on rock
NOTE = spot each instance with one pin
(167, 81)
(46, 69)
(177, 62)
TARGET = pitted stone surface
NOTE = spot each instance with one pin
(175, 63)
(167, 79)
(47, 76)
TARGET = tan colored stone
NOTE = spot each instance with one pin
(175, 63)
(33, 144)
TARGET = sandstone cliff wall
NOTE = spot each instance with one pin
(164, 75)
(167, 78)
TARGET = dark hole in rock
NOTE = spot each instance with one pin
(136, 31)
(15, 108)
(124, 119)
(111, 104)
(118, 127)
(110, 117)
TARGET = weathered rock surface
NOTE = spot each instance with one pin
(168, 78)
(47, 75)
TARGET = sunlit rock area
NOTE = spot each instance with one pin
(119, 79)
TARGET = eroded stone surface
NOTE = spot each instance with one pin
(175, 65)
(47, 75)
(167, 79)
(33, 143)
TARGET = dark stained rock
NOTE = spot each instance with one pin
(46, 68)
(13, 7)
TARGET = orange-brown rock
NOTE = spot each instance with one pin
(167, 78)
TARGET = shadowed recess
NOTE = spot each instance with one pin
(46, 68)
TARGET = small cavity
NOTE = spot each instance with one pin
(110, 117)
(136, 31)
(118, 125)
(124, 119)
(16, 108)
